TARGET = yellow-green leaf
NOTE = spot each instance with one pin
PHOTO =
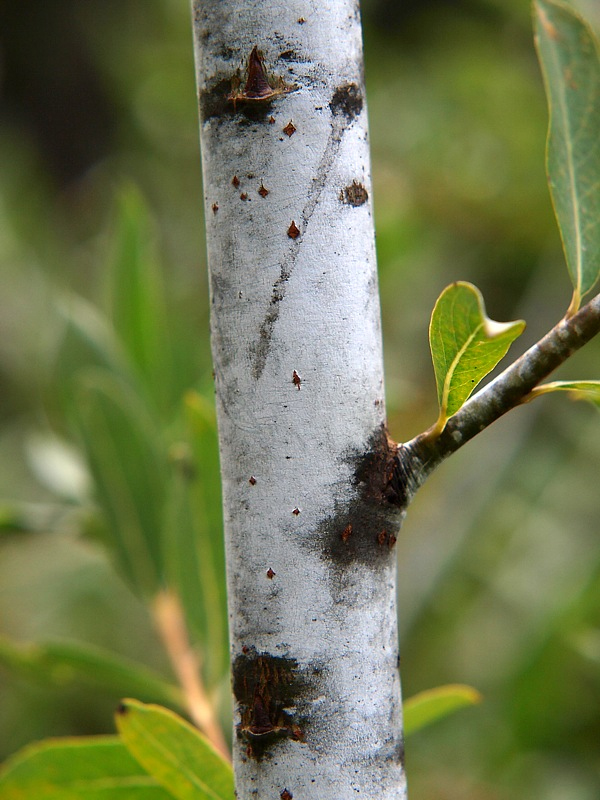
(465, 345)
(578, 390)
(91, 768)
(426, 707)
(177, 755)
(570, 60)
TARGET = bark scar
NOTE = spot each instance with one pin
(266, 688)
(345, 105)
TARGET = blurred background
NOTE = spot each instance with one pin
(105, 374)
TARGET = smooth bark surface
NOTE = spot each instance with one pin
(312, 502)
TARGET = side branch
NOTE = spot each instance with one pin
(425, 452)
(170, 623)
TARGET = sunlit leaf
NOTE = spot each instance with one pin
(58, 466)
(177, 755)
(570, 60)
(465, 345)
(426, 707)
(93, 768)
(578, 390)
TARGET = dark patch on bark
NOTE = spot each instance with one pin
(377, 471)
(354, 195)
(374, 514)
(213, 101)
(347, 100)
(266, 687)
(260, 350)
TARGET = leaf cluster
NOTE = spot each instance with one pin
(465, 344)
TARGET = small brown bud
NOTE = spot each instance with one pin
(293, 231)
(235, 181)
(263, 191)
(290, 129)
(270, 574)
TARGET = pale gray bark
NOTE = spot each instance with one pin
(312, 503)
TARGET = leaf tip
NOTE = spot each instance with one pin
(495, 329)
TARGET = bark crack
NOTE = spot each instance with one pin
(345, 105)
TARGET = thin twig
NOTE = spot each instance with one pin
(170, 623)
(426, 451)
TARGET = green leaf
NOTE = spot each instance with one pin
(15, 518)
(180, 758)
(465, 345)
(194, 544)
(125, 454)
(94, 768)
(62, 662)
(137, 296)
(569, 56)
(578, 390)
(426, 707)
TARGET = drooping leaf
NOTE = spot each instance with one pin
(92, 332)
(194, 545)
(62, 662)
(91, 768)
(137, 297)
(426, 707)
(570, 60)
(578, 390)
(177, 755)
(122, 441)
(465, 345)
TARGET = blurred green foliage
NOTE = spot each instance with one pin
(104, 331)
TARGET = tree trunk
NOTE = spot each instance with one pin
(312, 503)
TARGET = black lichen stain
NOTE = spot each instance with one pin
(354, 195)
(214, 102)
(377, 507)
(267, 688)
(347, 100)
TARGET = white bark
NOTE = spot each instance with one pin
(310, 512)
